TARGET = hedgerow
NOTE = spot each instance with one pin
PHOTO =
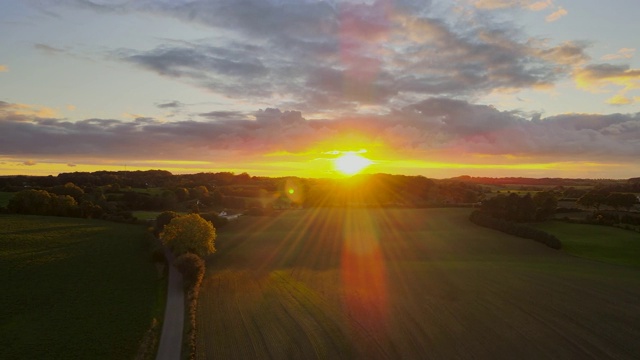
(479, 218)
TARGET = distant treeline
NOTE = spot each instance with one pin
(547, 181)
(114, 194)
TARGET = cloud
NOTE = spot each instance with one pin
(25, 111)
(624, 53)
(619, 100)
(533, 5)
(224, 115)
(71, 165)
(4, 68)
(605, 77)
(170, 105)
(435, 127)
(347, 56)
(29, 163)
(557, 14)
(49, 50)
(540, 5)
(333, 57)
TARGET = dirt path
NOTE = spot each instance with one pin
(171, 339)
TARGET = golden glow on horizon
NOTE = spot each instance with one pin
(351, 164)
(333, 164)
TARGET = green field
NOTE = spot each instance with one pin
(407, 284)
(146, 215)
(596, 242)
(74, 288)
(5, 197)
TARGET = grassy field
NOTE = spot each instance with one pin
(402, 284)
(146, 215)
(74, 288)
(5, 197)
(595, 242)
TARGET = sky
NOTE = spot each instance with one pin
(531, 88)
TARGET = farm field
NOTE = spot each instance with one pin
(602, 243)
(74, 288)
(5, 197)
(399, 284)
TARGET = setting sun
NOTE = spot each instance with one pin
(351, 164)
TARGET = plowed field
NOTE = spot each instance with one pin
(407, 284)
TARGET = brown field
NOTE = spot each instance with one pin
(407, 284)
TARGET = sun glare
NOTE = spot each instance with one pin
(351, 164)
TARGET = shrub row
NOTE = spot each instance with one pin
(192, 268)
(482, 219)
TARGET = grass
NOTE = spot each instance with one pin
(150, 215)
(602, 243)
(406, 283)
(74, 288)
(5, 197)
(146, 215)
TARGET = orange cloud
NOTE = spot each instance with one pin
(29, 110)
(601, 78)
(624, 53)
(540, 5)
(556, 15)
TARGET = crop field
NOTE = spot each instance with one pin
(602, 243)
(406, 283)
(5, 197)
(74, 288)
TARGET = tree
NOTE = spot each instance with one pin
(618, 200)
(35, 202)
(164, 218)
(64, 205)
(70, 189)
(546, 203)
(189, 233)
(594, 198)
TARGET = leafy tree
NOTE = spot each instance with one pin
(165, 218)
(182, 194)
(64, 205)
(70, 189)
(35, 202)
(546, 203)
(618, 200)
(593, 198)
(189, 233)
(199, 192)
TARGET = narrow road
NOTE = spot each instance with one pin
(171, 339)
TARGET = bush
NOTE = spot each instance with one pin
(192, 268)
